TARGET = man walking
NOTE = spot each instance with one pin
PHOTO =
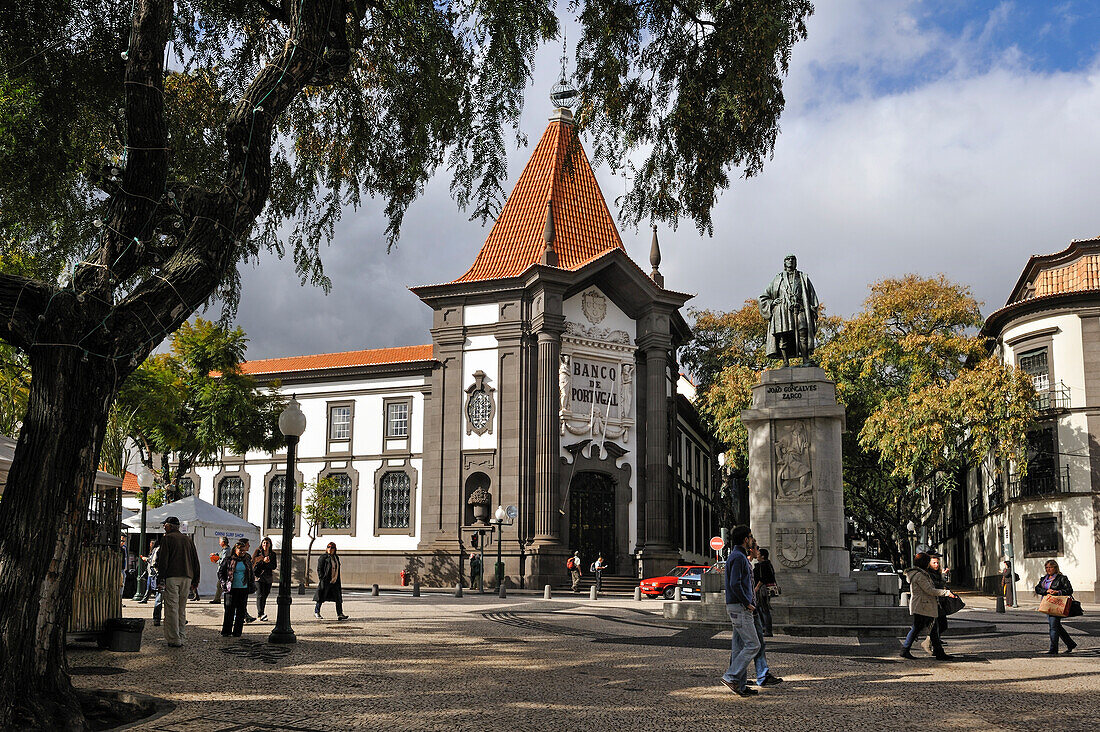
(222, 554)
(598, 567)
(573, 564)
(177, 567)
(740, 605)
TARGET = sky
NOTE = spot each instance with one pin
(919, 137)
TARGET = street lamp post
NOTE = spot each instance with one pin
(145, 482)
(501, 518)
(292, 423)
(912, 529)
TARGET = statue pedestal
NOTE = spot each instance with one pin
(796, 488)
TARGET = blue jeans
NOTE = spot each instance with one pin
(745, 645)
(920, 623)
(761, 659)
(1056, 632)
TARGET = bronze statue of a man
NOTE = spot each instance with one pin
(790, 305)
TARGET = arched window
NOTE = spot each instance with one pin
(187, 487)
(231, 495)
(276, 501)
(343, 490)
(395, 501)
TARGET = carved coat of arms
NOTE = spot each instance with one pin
(594, 306)
(794, 546)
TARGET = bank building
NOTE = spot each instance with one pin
(550, 384)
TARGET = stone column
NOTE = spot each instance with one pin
(796, 482)
(547, 440)
(657, 449)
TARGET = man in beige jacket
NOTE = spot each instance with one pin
(924, 606)
(178, 572)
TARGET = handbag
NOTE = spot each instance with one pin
(1075, 609)
(951, 605)
(773, 589)
(1056, 605)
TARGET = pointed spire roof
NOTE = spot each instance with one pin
(556, 205)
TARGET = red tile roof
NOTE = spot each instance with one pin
(130, 484)
(346, 359)
(558, 171)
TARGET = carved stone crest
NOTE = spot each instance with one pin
(793, 477)
(594, 306)
(794, 546)
(480, 406)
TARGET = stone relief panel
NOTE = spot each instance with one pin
(793, 475)
(795, 546)
(595, 397)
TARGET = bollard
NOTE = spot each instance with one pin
(546, 592)
(592, 592)
(904, 600)
(638, 594)
(416, 589)
(374, 590)
(458, 590)
(503, 591)
(677, 597)
(1000, 603)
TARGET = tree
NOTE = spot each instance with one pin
(925, 401)
(195, 400)
(153, 183)
(323, 508)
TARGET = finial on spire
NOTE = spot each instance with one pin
(549, 256)
(563, 94)
(655, 260)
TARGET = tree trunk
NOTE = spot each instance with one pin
(49, 485)
(309, 558)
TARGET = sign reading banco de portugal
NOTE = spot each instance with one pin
(594, 381)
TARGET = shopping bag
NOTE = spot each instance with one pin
(1057, 605)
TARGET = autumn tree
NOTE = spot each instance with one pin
(189, 403)
(925, 401)
(156, 145)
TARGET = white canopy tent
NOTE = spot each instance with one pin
(206, 524)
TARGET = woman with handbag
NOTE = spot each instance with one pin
(237, 581)
(329, 587)
(763, 575)
(924, 606)
(263, 564)
(1056, 584)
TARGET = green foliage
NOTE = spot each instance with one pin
(195, 400)
(116, 453)
(323, 505)
(157, 497)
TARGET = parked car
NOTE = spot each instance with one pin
(691, 583)
(874, 565)
(666, 584)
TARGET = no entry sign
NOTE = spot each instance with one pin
(716, 543)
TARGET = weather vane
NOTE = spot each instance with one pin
(563, 94)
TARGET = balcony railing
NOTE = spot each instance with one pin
(1034, 485)
(996, 497)
(1052, 399)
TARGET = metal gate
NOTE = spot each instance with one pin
(592, 518)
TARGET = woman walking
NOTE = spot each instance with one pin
(1056, 583)
(236, 578)
(263, 564)
(328, 583)
(924, 606)
(763, 575)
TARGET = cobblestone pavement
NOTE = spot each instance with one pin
(438, 662)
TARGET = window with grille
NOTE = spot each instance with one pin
(396, 501)
(187, 487)
(339, 423)
(1036, 365)
(276, 501)
(397, 419)
(231, 495)
(342, 490)
(1041, 535)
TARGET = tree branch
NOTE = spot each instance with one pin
(22, 300)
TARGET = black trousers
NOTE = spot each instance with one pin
(920, 623)
(236, 607)
(263, 585)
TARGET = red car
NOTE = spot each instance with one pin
(666, 585)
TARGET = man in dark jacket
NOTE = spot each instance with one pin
(178, 571)
(740, 604)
